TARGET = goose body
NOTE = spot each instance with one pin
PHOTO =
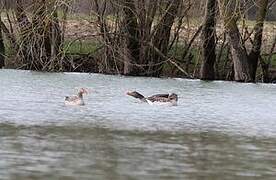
(157, 99)
(76, 100)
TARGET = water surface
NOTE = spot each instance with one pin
(219, 130)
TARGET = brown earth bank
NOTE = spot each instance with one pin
(112, 38)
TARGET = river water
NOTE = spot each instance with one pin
(219, 130)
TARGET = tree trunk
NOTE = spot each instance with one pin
(265, 70)
(266, 66)
(132, 38)
(239, 55)
(161, 38)
(207, 71)
(146, 13)
(2, 49)
(257, 42)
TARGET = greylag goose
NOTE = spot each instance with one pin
(76, 100)
(159, 99)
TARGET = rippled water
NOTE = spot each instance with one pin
(220, 130)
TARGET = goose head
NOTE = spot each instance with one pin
(173, 96)
(82, 91)
(135, 94)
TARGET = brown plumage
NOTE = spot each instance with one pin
(76, 100)
(160, 99)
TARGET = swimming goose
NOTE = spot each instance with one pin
(159, 99)
(76, 100)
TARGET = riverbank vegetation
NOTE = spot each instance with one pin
(210, 39)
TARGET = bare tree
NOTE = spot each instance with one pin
(2, 49)
(230, 11)
(209, 43)
(140, 38)
(161, 37)
(132, 38)
(24, 26)
(39, 39)
(257, 42)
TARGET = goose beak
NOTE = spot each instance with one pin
(84, 91)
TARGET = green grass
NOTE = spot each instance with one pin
(71, 47)
(273, 60)
(178, 50)
(81, 47)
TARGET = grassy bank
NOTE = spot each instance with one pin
(83, 40)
